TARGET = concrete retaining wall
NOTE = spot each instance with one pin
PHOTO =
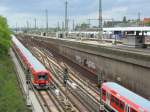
(127, 68)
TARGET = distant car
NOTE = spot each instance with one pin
(119, 99)
(37, 73)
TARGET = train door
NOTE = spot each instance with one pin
(107, 98)
(127, 109)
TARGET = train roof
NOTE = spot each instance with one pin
(37, 66)
(144, 103)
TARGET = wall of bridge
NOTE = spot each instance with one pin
(132, 70)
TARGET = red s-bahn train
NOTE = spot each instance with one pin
(39, 75)
(119, 99)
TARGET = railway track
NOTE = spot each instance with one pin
(90, 101)
(75, 101)
(57, 93)
(83, 86)
(86, 94)
(48, 99)
(90, 90)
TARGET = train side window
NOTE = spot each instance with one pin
(122, 105)
(133, 110)
(127, 109)
(103, 92)
(117, 101)
(112, 99)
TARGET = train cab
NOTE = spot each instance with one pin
(41, 79)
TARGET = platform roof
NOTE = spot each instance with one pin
(127, 29)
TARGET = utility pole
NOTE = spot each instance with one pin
(16, 27)
(35, 23)
(100, 20)
(46, 15)
(89, 21)
(63, 26)
(139, 18)
(66, 17)
(27, 22)
(73, 25)
(113, 22)
(58, 26)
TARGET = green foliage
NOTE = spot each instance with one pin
(83, 26)
(11, 99)
(4, 36)
(124, 19)
(148, 24)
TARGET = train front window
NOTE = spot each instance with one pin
(103, 92)
(42, 77)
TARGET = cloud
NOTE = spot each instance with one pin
(116, 13)
(20, 11)
(3, 9)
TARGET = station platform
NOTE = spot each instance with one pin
(109, 44)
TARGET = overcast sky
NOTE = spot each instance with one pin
(19, 11)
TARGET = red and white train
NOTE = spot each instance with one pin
(39, 75)
(120, 99)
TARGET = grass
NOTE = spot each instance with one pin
(11, 99)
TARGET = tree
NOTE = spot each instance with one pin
(83, 26)
(4, 36)
(124, 19)
(147, 24)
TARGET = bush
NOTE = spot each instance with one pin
(4, 46)
(4, 36)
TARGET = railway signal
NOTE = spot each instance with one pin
(100, 81)
(65, 73)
